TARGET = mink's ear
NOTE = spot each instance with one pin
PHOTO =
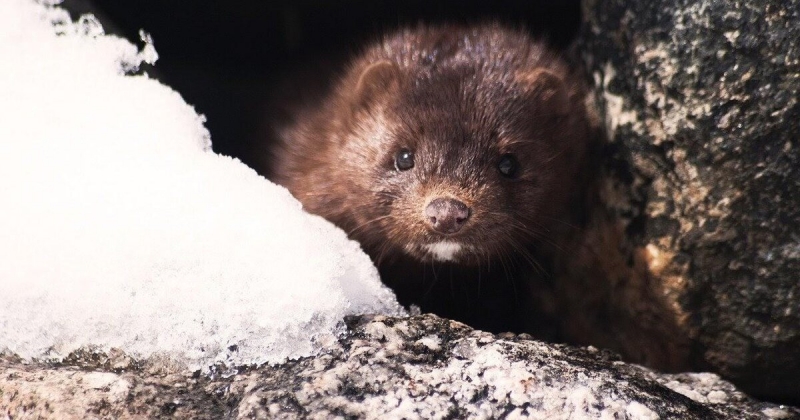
(374, 82)
(548, 89)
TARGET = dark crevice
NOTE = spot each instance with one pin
(225, 57)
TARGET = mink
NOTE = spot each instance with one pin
(456, 156)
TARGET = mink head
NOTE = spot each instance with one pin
(453, 157)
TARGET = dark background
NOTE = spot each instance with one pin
(225, 57)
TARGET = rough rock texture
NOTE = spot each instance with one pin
(701, 102)
(418, 367)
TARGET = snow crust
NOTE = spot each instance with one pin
(119, 227)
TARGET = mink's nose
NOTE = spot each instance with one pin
(446, 215)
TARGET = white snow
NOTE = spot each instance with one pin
(119, 227)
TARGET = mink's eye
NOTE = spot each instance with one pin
(508, 166)
(404, 160)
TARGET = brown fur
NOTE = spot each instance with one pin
(459, 98)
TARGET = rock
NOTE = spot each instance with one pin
(417, 367)
(701, 103)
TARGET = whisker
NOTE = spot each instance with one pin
(509, 278)
(555, 156)
(368, 222)
(452, 285)
(435, 281)
(382, 253)
(529, 258)
(562, 221)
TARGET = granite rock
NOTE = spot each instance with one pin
(701, 102)
(417, 367)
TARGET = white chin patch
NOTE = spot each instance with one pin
(444, 250)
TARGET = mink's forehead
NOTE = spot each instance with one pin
(447, 126)
(456, 108)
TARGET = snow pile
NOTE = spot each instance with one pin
(119, 227)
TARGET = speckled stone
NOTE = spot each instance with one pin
(701, 99)
(422, 367)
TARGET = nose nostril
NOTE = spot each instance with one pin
(446, 215)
